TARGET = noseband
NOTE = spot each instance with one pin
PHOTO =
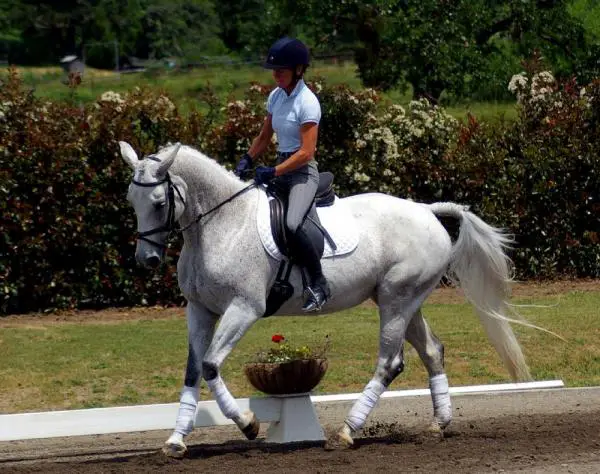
(169, 226)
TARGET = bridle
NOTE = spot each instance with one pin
(169, 225)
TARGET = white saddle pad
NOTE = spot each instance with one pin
(337, 219)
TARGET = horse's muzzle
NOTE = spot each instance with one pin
(152, 262)
(148, 260)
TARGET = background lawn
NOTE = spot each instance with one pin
(48, 365)
(186, 88)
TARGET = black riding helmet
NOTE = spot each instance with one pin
(287, 53)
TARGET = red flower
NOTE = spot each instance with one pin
(277, 338)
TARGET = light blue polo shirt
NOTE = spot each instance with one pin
(290, 112)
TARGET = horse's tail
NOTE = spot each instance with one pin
(481, 267)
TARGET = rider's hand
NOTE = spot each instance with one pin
(264, 174)
(244, 165)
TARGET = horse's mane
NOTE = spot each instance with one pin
(208, 164)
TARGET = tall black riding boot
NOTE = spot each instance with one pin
(318, 289)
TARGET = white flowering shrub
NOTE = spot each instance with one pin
(534, 176)
(519, 86)
(156, 107)
(422, 124)
(539, 97)
(4, 108)
(392, 145)
(110, 96)
(62, 184)
(62, 180)
(550, 165)
(231, 138)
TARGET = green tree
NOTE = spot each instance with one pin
(185, 28)
(8, 10)
(51, 29)
(10, 33)
(437, 45)
(114, 21)
(249, 27)
(146, 28)
(240, 23)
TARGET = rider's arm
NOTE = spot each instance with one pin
(261, 142)
(308, 134)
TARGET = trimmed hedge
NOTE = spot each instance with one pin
(68, 232)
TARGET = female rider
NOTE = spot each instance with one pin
(293, 113)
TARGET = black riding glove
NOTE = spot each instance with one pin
(244, 165)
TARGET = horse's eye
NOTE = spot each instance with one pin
(159, 205)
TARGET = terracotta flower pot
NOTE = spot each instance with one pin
(297, 376)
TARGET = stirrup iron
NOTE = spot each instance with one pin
(312, 304)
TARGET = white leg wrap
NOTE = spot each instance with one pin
(364, 405)
(442, 407)
(226, 402)
(187, 410)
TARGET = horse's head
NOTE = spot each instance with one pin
(158, 199)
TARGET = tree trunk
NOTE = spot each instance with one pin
(430, 90)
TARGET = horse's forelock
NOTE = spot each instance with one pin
(146, 169)
(148, 165)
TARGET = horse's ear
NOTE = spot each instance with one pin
(166, 163)
(129, 154)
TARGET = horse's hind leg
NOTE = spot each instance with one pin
(431, 352)
(395, 314)
(201, 326)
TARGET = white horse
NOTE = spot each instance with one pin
(224, 272)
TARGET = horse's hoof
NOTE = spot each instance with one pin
(173, 450)
(252, 428)
(340, 440)
(436, 429)
(175, 447)
(345, 439)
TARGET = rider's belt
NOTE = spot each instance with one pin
(284, 155)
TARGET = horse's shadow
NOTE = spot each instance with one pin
(373, 436)
(242, 447)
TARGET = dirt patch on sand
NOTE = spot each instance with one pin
(549, 443)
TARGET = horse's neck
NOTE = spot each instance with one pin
(209, 185)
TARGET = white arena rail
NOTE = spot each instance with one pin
(283, 413)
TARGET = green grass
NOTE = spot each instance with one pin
(186, 88)
(67, 365)
(490, 111)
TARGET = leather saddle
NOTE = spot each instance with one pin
(324, 197)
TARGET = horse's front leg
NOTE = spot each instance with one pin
(238, 318)
(201, 327)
